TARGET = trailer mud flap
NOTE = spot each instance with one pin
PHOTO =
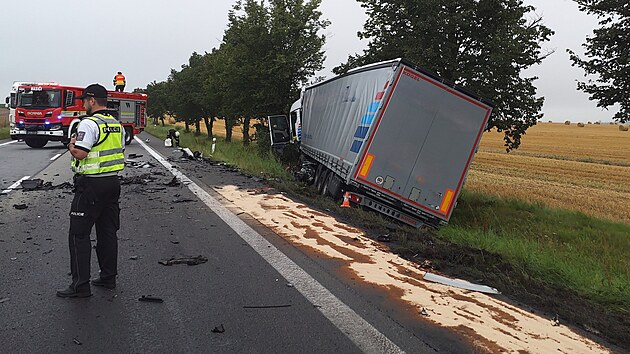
(387, 210)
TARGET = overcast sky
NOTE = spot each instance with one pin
(68, 41)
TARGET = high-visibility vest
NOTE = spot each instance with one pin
(120, 79)
(107, 154)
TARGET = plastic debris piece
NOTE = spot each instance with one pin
(184, 260)
(149, 298)
(555, 321)
(133, 258)
(4, 300)
(20, 206)
(76, 341)
(458, 283)
(32, 184)
(424, 312)
(218, 329)
(173, 183)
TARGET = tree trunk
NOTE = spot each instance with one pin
(162, 119)
(155, 120)
(197, 127)
(246, 131)
(228, 130)
(187, 124)
(209, 122)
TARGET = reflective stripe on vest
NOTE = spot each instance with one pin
(107, 154)
(120, 80)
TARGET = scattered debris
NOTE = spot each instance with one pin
(76, 341)
(586, 327)
(133, 258)
(149, 298)
(218, 329)
(147, 140)
(266, 306)
(141, 179)
(32, 184)
(555, 321)
(174, 242)
(47, 252)
(134, 156)
(184, 260)
(20, 206)
(4, 300)
(424, 312)
(384, 238)
(173, 183)
(175, 201)
(289, 285)
(458, 283)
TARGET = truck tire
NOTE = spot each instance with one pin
(322, 186)
(128, 135)
(318, 175)
(36, 143)
(334, 186)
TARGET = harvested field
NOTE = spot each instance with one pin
(585, 169)
(4, 117)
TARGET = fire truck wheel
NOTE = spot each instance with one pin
(128, 135)
(36, 143)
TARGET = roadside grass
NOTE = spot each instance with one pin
(559, 248)
(4, 133)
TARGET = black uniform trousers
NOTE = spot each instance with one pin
(120, 88)
(95, 203)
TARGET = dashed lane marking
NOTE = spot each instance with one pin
(14, 185)
(55, 157)
(357, 329)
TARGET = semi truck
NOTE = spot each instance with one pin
(397, 138)
(50, 112)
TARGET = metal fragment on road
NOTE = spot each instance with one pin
(218, 329)
(20, 206)
(149, 298)
(184, 260)
(76, 341)
(32, 184)
(4, 300)
(133, 258)
(458, 283)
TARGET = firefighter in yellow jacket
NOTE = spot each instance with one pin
(120, 82)
(97, 157)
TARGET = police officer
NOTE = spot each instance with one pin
(120, 82)
(97, 157)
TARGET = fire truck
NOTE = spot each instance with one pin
(51, 112)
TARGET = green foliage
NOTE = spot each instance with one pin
(557, 246)
(263, 140)
(482, 45)
(157, 104)
(4, 133)
(608, 53)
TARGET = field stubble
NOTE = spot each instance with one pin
(585, 169)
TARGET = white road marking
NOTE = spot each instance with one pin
(14, 185)
(10, 142)
(358, 330)
(55, 157)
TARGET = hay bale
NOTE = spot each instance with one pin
(623, 128)
(581, 125)
(171, 120)
(597, 123)
(550, 122)
(568, 122)
(589, 123)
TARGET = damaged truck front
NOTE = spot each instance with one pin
(398, 139)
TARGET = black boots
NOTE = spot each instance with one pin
(106, 283)
(72, 292)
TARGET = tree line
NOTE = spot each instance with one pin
(272, 48)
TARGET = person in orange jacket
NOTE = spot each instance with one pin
(120, 82)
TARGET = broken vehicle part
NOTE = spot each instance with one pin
(458, 283)
(149, 298)
(184, 260)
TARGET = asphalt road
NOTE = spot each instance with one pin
(267, 295)
(19, 160)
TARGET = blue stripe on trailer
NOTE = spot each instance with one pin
(367, 119)
(361, 132)
(356, 146)
(373, 107)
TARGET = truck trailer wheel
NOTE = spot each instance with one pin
(128, 135)
(36, 143)
(322, 185)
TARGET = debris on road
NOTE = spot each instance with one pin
(149, 298)
(555, 321)
(76, 341)
(32, 184)
(175, 201)
(134, 156)
(218, 329)
(20, 206)
(289, 285)
(141, 179)
(4, 300)
(47, 252)
(174, 242)
(173, 183)
(424, 312)
(458, 283)
(266, 306)
(184, 260)
(133, 258)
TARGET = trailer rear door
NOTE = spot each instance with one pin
(423, 143)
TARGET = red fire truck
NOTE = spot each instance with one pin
(50, 112)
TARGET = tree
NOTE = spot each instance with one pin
(609, 56)
(157, 103)
(270, 50)
(483, 45)
(186, 93)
